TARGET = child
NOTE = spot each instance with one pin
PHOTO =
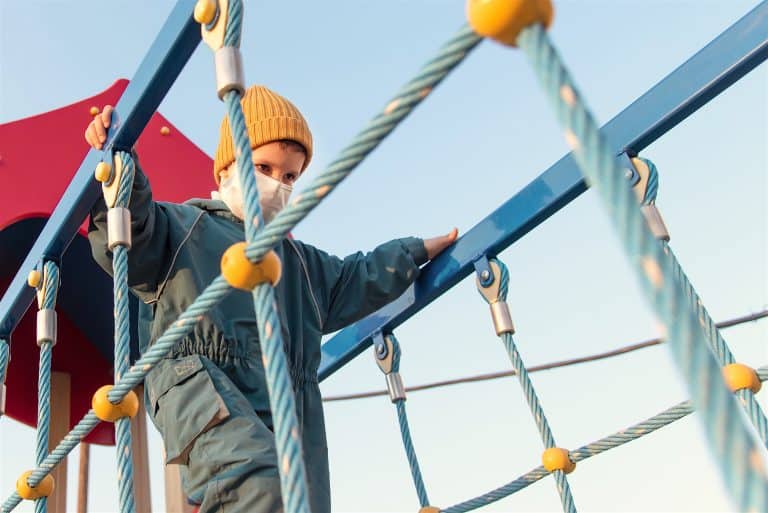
(208, 397)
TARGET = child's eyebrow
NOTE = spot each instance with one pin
(262, 160)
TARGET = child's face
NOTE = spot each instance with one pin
(277, 160)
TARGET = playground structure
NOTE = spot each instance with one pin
(738, 50)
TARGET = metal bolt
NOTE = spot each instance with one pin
(485, 275)
(628, 174)
(381, 351)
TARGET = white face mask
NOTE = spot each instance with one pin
(273, 195)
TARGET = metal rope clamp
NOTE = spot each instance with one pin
(502, 319)
(384, 352)
(214, 26)
(47, 326)
(227, 59)
(649, 210)
(118, 218)
(110, 186)
(229, 71)
(118, 227)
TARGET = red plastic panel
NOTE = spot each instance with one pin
(33, 183)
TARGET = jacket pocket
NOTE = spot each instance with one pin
(184, 404)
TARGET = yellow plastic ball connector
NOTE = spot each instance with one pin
(243, 274)
(205, 11)
(165, 131)
(502, 20)
(556, 458)
(103, 172)
(34, 278)
(739, 376)
(43, 489)
(108, 412)
(429, 509)
(94, 111)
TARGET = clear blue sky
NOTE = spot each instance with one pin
(484, 133)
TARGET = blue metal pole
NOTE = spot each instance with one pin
(731, 55)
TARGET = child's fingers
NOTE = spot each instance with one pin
(447, 240)
(106, 115)
(96, 133)
(436, 245)
(92, 137)
(98, 126)
(101, 123)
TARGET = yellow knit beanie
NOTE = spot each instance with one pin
(268, 117)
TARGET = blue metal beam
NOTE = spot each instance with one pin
(738, 50)
(165, 59)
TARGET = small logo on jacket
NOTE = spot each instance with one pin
(183, 369)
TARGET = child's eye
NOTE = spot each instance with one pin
(262, 168)
(289, 178)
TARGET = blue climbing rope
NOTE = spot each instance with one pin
(612, 441)
(5, 356)
(537, 411)
(652, 187)
(50, 290)
(43, 414)
(293, 479)
(728, 436)
(405, 430)
(122, 339)
(410, 452)
(412, 94)
(450, 55)
(261, 239)
(615, 440)
(282, 402)
(714, 337)
(69, 442)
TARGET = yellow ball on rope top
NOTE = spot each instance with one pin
(503, 20)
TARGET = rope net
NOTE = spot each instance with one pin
(696, 344)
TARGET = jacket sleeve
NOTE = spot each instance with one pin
(360, 284)
(148, 256)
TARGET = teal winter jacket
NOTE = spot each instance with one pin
(176, 252)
